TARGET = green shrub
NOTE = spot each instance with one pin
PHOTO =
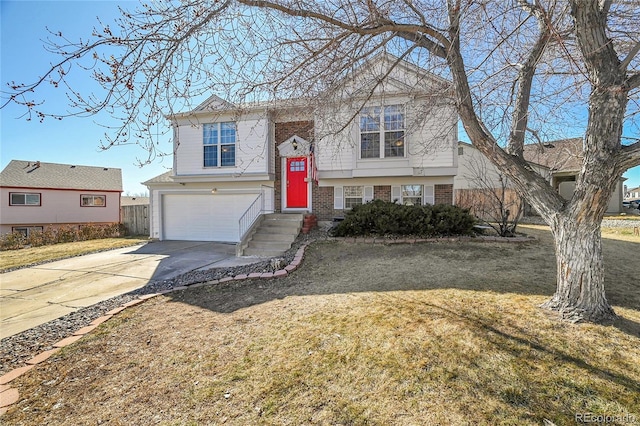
(384, 218)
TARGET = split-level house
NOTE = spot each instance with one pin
(38, 195)
(387, 131)
(559, 162)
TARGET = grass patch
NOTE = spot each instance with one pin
(361, 334)
(11, 259)
(621, 234)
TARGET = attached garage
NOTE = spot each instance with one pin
(203, 217)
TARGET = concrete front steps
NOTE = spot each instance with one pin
(275, 234)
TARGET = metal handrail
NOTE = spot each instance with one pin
(250, 216)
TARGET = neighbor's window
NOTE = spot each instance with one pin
(412, 195)
(26, 230)
(219, 141)
(93, 200)
(352, 196)
(382, 132)
(24, 199)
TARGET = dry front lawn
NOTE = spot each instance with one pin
(11, 259)
(444, 333)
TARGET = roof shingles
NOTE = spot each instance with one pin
(35, 174)
(562, 155)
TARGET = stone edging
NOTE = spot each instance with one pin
(10, 396)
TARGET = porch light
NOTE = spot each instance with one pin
(214, 190)
(294, 144)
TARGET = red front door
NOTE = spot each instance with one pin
(297, 187)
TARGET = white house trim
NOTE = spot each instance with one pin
(293, 147)
(283, 188)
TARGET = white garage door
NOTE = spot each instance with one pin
(206, 217)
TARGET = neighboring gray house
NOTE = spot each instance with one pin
(559, 162)
(37, 195)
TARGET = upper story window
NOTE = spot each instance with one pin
(219, 141)
(24, 199)
(93, 201)
(382, 132)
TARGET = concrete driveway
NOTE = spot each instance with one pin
(33, 296)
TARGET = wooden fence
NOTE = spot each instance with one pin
(489, 204)
(135, 219)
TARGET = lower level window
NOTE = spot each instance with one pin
(352, 196)
(26, 230)
(93, 201)
(412, 195)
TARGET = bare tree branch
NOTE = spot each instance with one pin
(525, 80)
(632, 54)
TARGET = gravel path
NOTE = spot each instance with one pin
(17, 349)
(606, 223)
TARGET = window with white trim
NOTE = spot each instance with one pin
(93, 201)
(382, 132)
(412, 195)
(219, 140)
(353, 196)
(24, 199)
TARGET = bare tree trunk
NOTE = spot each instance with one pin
(580, 294)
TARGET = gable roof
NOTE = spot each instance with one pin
(36, 174)
(214, 102)
(563, 155)
(134, 201)
(162, 178)
(397, 74)
(364, 78)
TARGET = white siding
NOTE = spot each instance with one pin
(475, 170)
(230, 195)
(251, 147)
(430, 139)
(154, 216)
(203, 217)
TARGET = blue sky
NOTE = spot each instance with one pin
(23, 59)
(72, 140)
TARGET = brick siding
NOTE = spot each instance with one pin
(323, 203)
(444, 194)
(382, 193)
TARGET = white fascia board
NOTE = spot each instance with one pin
(227, 177)
(396, 171)
(435, 171)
